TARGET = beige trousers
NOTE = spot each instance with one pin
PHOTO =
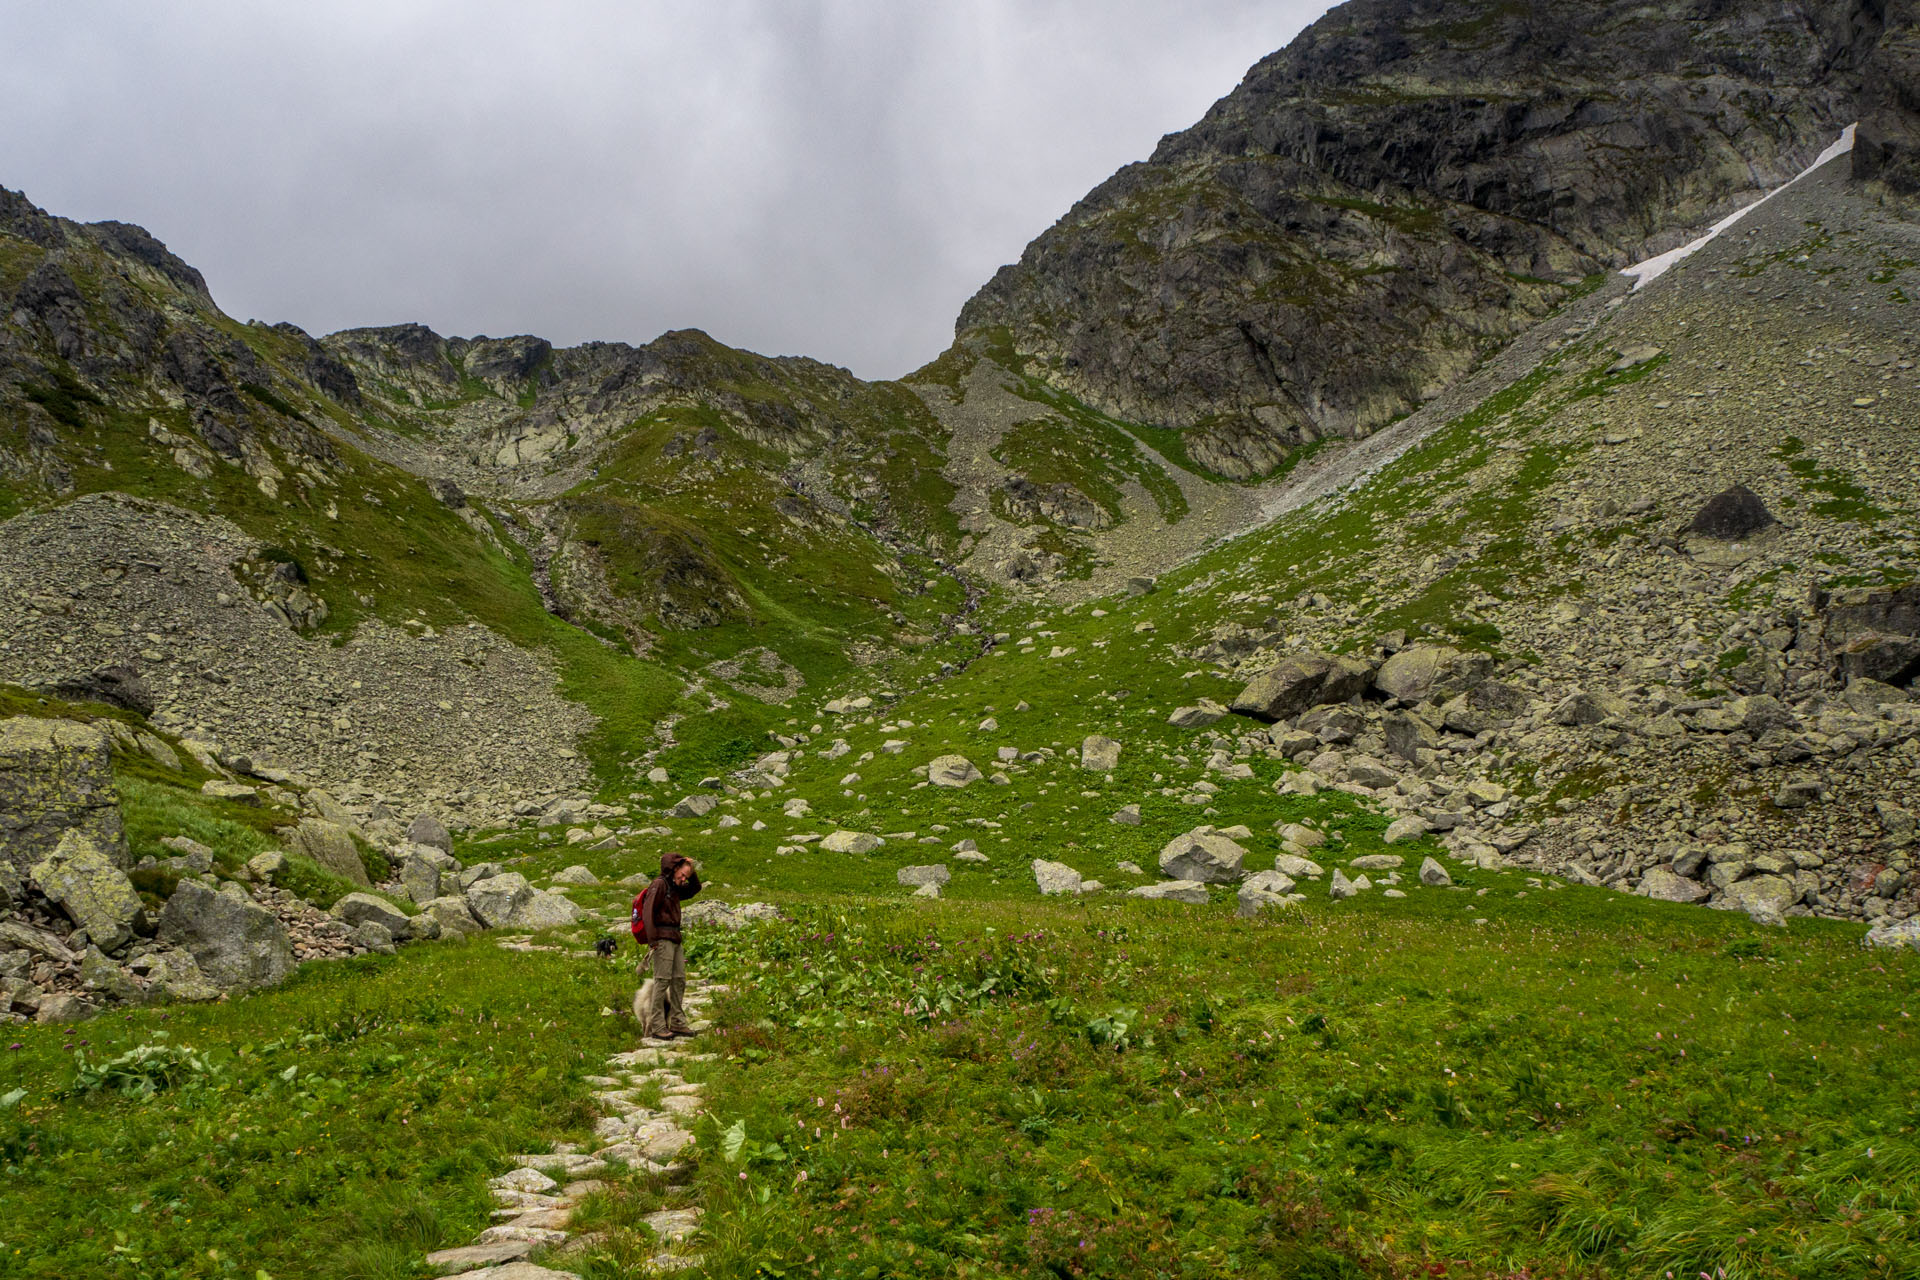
(668, 1010)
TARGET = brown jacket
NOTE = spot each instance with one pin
(664, 906)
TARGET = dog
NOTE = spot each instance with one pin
(642, 1000)
(604, 947)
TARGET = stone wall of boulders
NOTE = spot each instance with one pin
(1506, 763)
(77, 935)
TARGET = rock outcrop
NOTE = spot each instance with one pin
(56, 776)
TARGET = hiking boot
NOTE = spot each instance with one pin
(684, 1033)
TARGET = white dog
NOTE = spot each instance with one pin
(642, 1001)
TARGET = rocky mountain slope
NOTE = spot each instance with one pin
(1647, 546)
(1402, 190)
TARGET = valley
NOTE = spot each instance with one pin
(1329, 734)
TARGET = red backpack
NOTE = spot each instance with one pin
(643, 918)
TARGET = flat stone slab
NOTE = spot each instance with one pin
(674, 1225)
(514, 1231)
(519, 1201)
(523, 1178)
(573, 1166)
(521, 1271)
(682, 1104)
(671, 1261)
(469, 1256)
(629, 1154)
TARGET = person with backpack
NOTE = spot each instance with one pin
(656, 925)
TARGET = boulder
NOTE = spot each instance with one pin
(1894, 819)
(470, 876)
(1798, 793)
(158, 751)
(12, 887)
(1894, 933)
(1127, 815)
(1099, 753)
(1341, 887)
(1261, 890)
(1205, 855)
(1377, 862)
(429, 830)
(234, 941)
(1190, 891)
(1365, 771)
(1433, 875)
(325, 806)
(1298, 835)
(56, 776)
(63, 1008)
(331, 845)
(1411, 827)
(1424, 672)
(952, 771)
(851, 842)
(358, 908)
(1485, 792)
(1408, 735)
(1765, 899)
(1581, 708)
(453, 916)
(1289, 864)
(427, 872)
(190, 854)
(98, 973)
(1488, 705)
(1207, 712)
(934, 875)
(495, 900)
(371, 935)
(1873, 634)
(176, 975)
(1731, 514)
(693, 807)
(545, 911)
(1302, 682)
(17, 935)
(575, 874)
(231, 792)
(1055, 877)
(82, 878)
(1663, 884)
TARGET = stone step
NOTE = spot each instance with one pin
(469, 1256)
(514, 1231)
(568, 1166)
(674, 1225)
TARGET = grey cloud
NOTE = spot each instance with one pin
(795, 176)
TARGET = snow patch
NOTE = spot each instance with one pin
(1652, 269)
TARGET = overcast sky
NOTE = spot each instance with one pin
(821, 177)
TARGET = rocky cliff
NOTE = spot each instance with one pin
(1410, 183)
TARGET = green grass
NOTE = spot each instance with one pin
(1583, 1085)
(347, 1127)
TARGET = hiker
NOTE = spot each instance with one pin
(657, 925)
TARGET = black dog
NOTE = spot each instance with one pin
(604, 948)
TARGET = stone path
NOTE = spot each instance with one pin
(537, 1196)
